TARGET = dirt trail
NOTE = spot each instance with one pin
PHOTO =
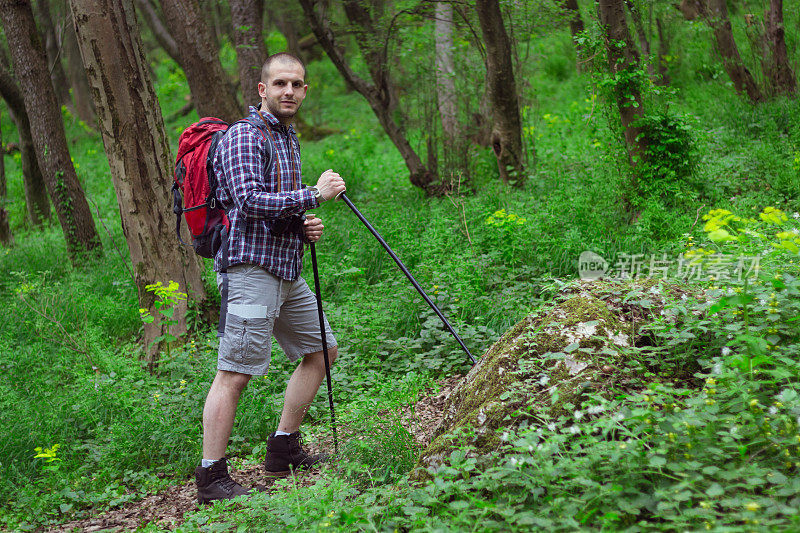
(166, 509)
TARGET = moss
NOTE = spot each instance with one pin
(595, 322)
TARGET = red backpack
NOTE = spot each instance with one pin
(195, 186)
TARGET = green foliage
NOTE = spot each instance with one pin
(667, 165)
(166, 303)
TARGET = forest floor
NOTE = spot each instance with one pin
(167, 508)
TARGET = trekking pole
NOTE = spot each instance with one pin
(324, 343)
(406, 272)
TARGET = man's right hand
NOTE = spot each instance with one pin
(330, 185)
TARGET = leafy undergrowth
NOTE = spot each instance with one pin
(701, 434)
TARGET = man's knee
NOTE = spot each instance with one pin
(233, 380)
(318, 358)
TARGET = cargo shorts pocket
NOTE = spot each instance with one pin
(248, 339)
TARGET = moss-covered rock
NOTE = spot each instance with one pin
(548, 360)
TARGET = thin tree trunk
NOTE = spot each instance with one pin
(138, 153)
(162, 36)
(51, 42)
(30, 66)
(283, 21)
(663, 52)
(622, 57)
(502, 91)
(644, 42)
(36, 200)
(446, 72)
(379, 95)
(208, 83)
(84, 107)
(247, 18)
(5, 231)
(778, 72)
(717, 18)
(576, 27)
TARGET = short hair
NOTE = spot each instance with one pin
(283, 57)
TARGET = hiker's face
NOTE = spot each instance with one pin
(284, 90)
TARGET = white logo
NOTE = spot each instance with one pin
(591, 266)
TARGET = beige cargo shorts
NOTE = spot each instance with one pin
(260, 305)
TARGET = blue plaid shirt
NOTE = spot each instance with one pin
(255, 197)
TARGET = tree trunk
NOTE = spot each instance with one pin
(208, 83)
(51, 42)
(284, 22)
(36, 200)
(717, 18)
(622, 57)
(162, 36)
(778, 72)
(138, 153)
(663, 52)
(247, 18)
(502, 91)
(644, 42)
(30, 66)
(446, 72)
(379, 95)
(84, 107)
(5, 231)
(576, 27)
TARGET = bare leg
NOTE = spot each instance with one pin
(220, 410)
(301, 389)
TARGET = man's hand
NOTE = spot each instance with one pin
(312, 227)
(330, 185)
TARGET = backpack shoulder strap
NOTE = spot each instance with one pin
(265, 136)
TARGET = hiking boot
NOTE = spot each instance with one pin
(285, 454)
(214, 483)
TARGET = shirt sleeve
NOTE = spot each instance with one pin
(242, 161)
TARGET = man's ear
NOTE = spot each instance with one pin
(262, 89)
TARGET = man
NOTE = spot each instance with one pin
(265, 292)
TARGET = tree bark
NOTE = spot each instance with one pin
(5, 231)
(778, 72)
(445, 72)
(248, 36)
(162, 36)
(138, 153)
(285, 23)
(622, 57)
(36, 200)
(716, 16)
(576, 27)
(84, 107)
(51, 42)
(663, 51)
(502, 91)
(30, 66)
(208, 83)
(644, 42)
(379, 94)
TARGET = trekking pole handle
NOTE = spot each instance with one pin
(413, 281)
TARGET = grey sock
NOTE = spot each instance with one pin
(205, 463)
(279, 433)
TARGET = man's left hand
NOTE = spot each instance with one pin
(312, 227)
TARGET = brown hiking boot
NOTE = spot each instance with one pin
(214, 483)
(285, 454)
